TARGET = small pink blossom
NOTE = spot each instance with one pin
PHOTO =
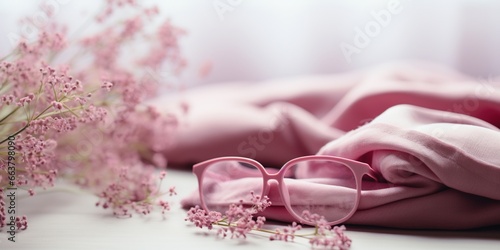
(7, 99)
(164, 205)
(203, 219)
(287, 233)
(26, 100)
(162, 175)
(3, 215)
(107, 86)
(260, 203)
(171, 191)
(21, 222)
(57, 105)
(334, 239)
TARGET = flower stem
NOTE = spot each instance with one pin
(8, 115)
(8, 55)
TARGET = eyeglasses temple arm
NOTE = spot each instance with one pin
(376, 176)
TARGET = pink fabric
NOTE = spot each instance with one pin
(432, 134)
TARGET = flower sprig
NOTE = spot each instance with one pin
(240, 219)
(117, 196)
(83, 117)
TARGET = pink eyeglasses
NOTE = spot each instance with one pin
(318, 184)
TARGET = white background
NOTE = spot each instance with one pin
(262, 39)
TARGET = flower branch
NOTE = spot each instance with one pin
(81, 119)
(238, 221)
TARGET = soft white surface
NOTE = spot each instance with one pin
(68, 220)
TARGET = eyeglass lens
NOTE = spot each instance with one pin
(321, 187)
(228, 182)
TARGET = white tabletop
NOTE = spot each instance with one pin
(69, 220)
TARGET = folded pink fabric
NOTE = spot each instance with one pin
(431, 133)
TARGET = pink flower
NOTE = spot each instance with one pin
(201, 218)
(165, 206)
(287, 233)
(171, 191)
(3, 215)
(26, 100)
(107, 86)
(56, 105)
(336, 239)
(162, 175)
(21, 222)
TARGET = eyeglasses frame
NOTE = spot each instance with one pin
(359, 170)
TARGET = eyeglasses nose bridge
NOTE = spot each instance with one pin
(268, 181)
(273, 182)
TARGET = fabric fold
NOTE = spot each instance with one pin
(432, 135)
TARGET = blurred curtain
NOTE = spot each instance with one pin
(262, 39)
